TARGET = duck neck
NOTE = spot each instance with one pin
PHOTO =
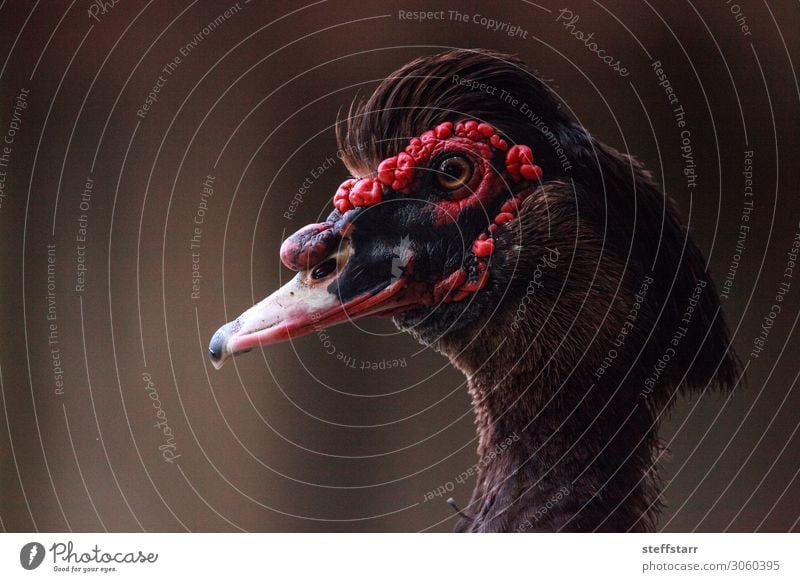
(558, 451)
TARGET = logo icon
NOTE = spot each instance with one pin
(31, 555)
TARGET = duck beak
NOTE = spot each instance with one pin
(296, 309)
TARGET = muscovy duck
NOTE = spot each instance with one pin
(545, 265)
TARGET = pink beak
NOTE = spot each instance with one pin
(296, 309)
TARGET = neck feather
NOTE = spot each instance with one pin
(559, 449)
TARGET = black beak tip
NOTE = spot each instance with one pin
(215, 347)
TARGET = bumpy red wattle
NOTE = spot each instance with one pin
(366, 192)
(419, 150)
(443, 130)
(503, 217)
(531, 172)
(483, 248)
(341, 200)
(519, 164)
(386, 170)
(397, 172)
(498, 142)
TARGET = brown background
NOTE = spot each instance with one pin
(291, 438)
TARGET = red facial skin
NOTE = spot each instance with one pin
(478, 141)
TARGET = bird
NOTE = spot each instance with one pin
(546, 265)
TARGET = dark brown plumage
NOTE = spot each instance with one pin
(598, 311)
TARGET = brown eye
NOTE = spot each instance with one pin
(453, 173)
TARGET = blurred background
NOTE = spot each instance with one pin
(154, 157)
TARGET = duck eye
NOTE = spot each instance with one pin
(324, 269)
(453, 173)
